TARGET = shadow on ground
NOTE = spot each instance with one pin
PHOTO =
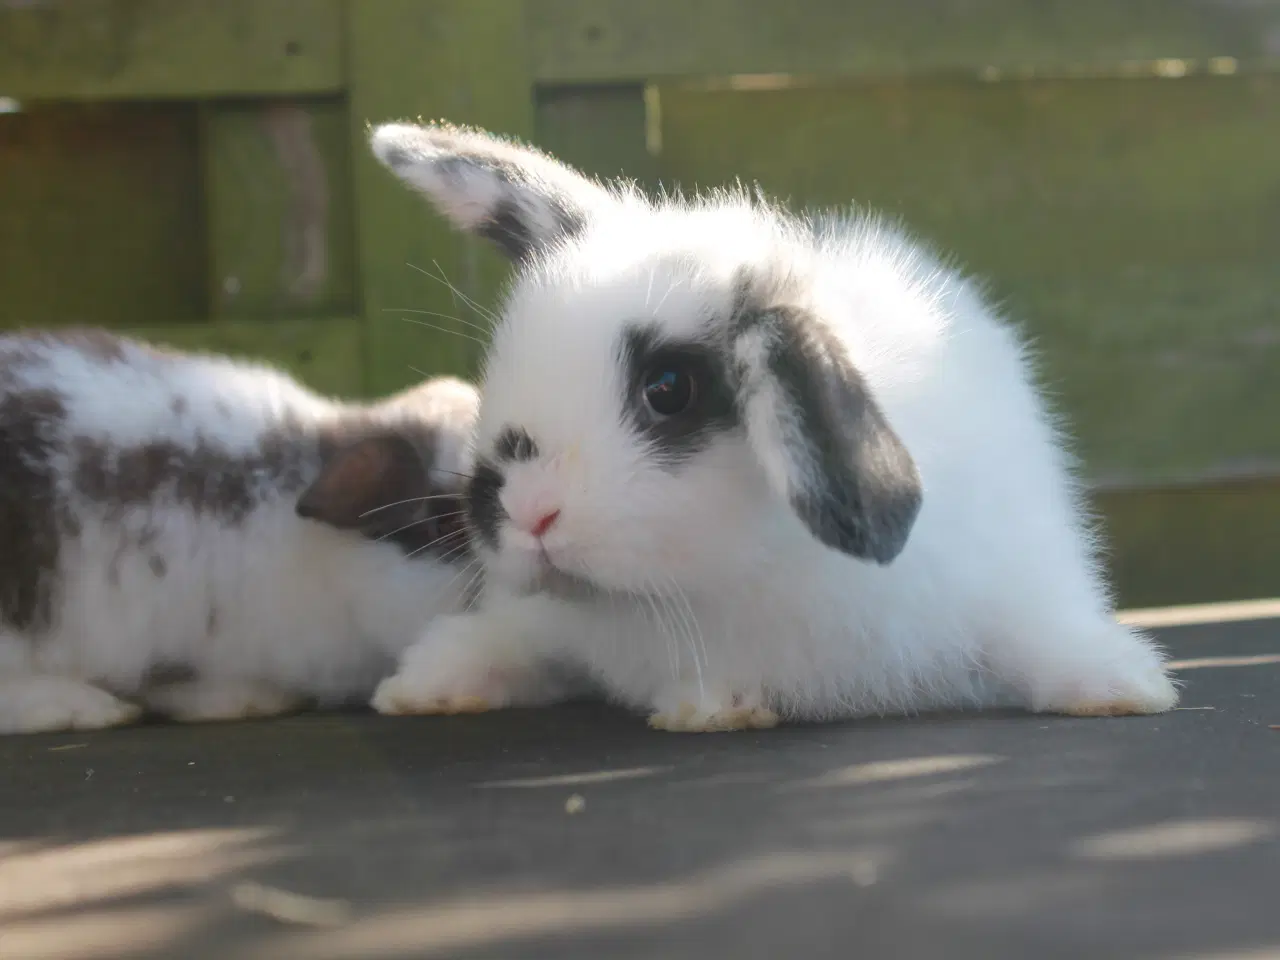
(576, 832)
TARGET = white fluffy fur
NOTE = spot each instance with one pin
(719, 609)
(302, 610)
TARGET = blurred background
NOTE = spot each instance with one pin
(195, 171)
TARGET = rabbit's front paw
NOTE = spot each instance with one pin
(453, 669)
(1134, 683)
(215, 699)
(407, 694)
(1151, 692)
(684, 710)
(43, 704)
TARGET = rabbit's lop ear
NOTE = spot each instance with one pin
(514, 196)
(823, 441)
(374, 485)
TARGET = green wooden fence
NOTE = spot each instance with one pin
(195, 170)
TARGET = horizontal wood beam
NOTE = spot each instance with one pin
(157, 49)
(585, 41)
(1195, 545)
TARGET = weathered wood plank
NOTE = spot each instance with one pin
(1193, 545)
(1130, 225)
(617, 40)
(598, 129)
(100, 215)
(462, 60)
(115, 49)
(278, 201)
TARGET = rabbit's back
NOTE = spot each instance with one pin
(148, 510)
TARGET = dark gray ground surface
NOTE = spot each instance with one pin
(979, 836)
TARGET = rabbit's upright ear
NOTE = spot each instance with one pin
(823, 441)
(516, 197)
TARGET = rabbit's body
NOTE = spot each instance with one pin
(864, 507)
(149, 503)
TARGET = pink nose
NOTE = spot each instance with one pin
(544, 523)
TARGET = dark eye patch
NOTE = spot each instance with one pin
(676, 394)
(515, 445)
(484, 509)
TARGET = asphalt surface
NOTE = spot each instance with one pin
(578, 833)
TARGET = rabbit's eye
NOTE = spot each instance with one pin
(669, 390)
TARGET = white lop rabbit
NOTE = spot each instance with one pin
(740, 465)
(207, 538)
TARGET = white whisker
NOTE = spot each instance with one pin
(660, 624)
(678, 621)
(463, 545)
(411, 523)
(442, 279)
(699, 641)
(488, 314)
(442, 316)
(670, 290)
(433, 326)
(467, 566)
(645, 595)
(673, 642)
(443, 538)
(397, 503)
(478, 575)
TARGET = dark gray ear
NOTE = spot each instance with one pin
(374, 485)
(825, 444)
(516, 197)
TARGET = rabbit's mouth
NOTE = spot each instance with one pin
(539, 571)
(546, 577)
(559, 583)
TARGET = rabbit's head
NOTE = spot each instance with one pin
(396, 472)
(663, 402)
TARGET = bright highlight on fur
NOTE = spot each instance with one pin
(798, 469)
